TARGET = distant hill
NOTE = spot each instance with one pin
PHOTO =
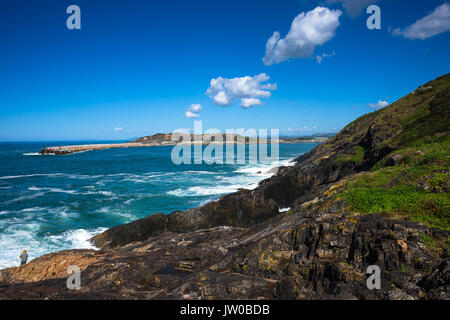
(315, 138)
(316, 135)
(166, 138)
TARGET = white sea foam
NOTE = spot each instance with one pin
(27, 197)
(106, 193)
(136, 180)
(156, 174)
(77, 239)
(145, 178)
(31, 175)
(31, 154)
(117, 174)
(53, 175)
(33, 209)
(248, 178)
(268, 169)
(206, 201)
(151, 176)
(83, 176)
(252, 170)
(190, 172)
(209, 190)
(13, 241)
(104, 210)
(57, 190)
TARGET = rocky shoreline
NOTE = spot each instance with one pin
(243, 246)
(62, 150)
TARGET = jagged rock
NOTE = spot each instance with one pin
(3, 277)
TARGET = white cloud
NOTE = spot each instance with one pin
(250, 102)
(190, 114)
(353, 7)
(435, 23)
(118, 129)
(302, 129)
(380, 104)
(308, 31)
(222, 99)
(225, 91)
(195, 108)
(193, 111)
(183, 130)
(322, 56)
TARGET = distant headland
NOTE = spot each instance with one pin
(168, 139)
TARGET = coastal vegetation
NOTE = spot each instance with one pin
(412, 179)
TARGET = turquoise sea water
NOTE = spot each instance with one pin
(50, 203)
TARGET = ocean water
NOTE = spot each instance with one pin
(51, 203)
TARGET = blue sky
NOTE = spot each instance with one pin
(136, 66)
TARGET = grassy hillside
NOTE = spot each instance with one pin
(405, 151)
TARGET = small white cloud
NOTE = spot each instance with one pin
(353, 7)
(322, 56)
(118, 129)
(250, 102)
(193, 111)
(222, 99)
(249, 89)
(183, 130)
(380, 104)
(190, 114)
(308, 30)
(433, 24)
(195, 108)
(303, 129)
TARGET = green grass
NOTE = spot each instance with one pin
(395, 190)
(357, 156)
(428, 240)
(413, 180)
(433, 209)
(434, 243)
(439, 182)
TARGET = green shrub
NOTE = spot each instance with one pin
(429, 208)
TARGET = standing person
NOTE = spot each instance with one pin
(23, 257)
